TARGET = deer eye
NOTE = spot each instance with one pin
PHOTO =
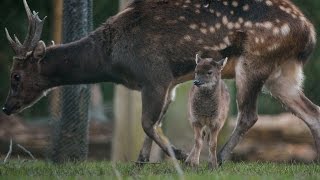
(209, 72)
(16, 77)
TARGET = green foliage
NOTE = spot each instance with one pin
(37, 169)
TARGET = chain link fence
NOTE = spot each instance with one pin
(70, 139)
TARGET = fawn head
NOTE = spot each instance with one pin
(26, 83)
(208, 71)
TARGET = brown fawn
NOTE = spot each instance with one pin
(208, 104)
(138, 48)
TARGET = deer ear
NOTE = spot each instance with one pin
(52, 43)
(198, 59)
(222, 63)
(39, 51)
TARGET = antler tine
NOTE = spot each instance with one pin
(13, 44)
(17, 40)
(34, 29)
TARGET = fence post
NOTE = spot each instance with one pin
(128, 134)
(70, 141)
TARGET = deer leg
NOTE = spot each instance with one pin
(153, 107)
(287, 89)
(193, 158)
(303, 108)
(214, 131)
(145, 151)
(248, 88)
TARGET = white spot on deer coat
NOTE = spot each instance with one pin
(245, 7)
(204, 24)
(203, 30)
(240, 20)
(235, 3)
(193, 26)
(276, 31)
(225, 3)
(269, 3)
(248, 24)
(226, 40)
(230, 25)
(187, 37)
(225, 20)
(212, 29)
(256, 39)
(285, 29)
(200, 41)
(218, 25)
(237, 25)
(182, 18)
(197, 5)
(222, 46)
(268, 25)
(273, 47)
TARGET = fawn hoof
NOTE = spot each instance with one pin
(213, 166)
(193, 164)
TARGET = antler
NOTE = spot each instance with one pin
(33, 36)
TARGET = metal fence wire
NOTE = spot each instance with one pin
(71, 118)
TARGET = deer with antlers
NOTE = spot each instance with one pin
(149, 46)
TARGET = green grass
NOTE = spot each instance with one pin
(163, 171)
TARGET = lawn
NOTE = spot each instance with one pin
(163, 171)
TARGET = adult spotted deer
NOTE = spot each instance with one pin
(150, 45)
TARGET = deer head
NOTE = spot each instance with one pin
(208, 72)
(27, 85)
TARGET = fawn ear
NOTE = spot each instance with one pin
(39, 51)
(198, 59)
(222, 63)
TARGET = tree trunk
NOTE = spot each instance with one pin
(128, 134)
(71, 137)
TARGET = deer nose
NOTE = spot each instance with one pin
(6, 111)
(197, 82)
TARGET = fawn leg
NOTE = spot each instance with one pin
(193, 158)
(214, 131)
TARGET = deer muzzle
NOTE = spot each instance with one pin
(198, 83)
(6, 111)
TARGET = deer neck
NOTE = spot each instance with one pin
(80, 62)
